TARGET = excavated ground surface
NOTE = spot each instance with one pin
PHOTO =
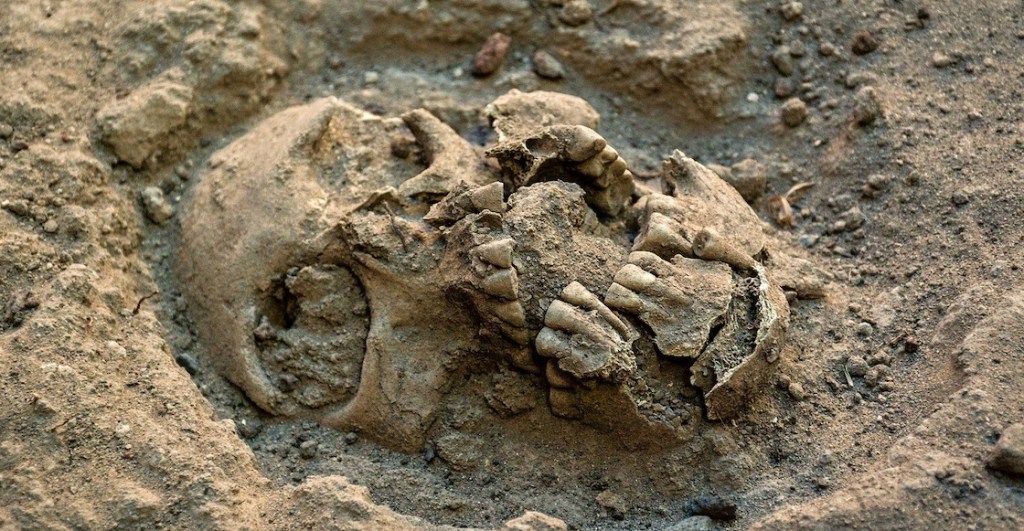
(883, 411)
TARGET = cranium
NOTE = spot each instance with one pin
(333, 276)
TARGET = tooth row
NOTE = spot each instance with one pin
(584, 338)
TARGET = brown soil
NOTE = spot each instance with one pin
(884, 410)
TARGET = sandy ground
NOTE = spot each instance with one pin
(897, 400)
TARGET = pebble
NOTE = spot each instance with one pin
(694, 523)
(51, 226)
(491, 55)
(791, 10)
(827, 49)
(249, 428)
(942, 60)
(784, 87)
(576, 12)
(1008, 454)
(157, 209)
(546, 66)
(783, 60)
(857, 366)
(187, 362)
(6, 131)
(749, 178)
(351, 437)
(865, 329)
(796, 390)
(960, 198)
(308, 449)
(863, 43)
(794, 112)
(866, 106)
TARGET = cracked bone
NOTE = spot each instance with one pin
(448, 157)
(681, 301)
(464, 200)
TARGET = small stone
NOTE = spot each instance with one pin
(863, 43)
(1008, 454)
(546, 66)
(140, 124)
(370, 77)
(188, 362)
(960, 198)
(576, 12)
(791, 10)
(827, 49)
(248, 428)
(942, 60)
(857, 366)
(694, 523)
(783, 61)
(157, 209)
(610, 500)
(491, 55)
(794, 112)
(865, 329)
(351, 437)
(6, 131)
(308, 449)
(797, 49)
(534, 521)
(749, 178)
(880, 358)
(866, 106)
(785, 87)
(51, 226)
(796, 390)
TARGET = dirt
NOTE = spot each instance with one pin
(215, 313)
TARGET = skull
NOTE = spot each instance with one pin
(340, 266)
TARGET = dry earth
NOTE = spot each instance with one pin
(897, 401)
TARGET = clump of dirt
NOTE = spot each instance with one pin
(508, 264)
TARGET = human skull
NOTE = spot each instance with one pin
(333, 276)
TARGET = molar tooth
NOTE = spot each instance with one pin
(583, 143)
(497, 253)
(490, 197)
(608, 154)
(591, 167)
(557, 377)
(503, 284)
(511, 313)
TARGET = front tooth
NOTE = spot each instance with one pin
(497, 253)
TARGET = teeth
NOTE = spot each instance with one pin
(497, 253)
(490, 197)
(582, 143)
(510, 312)
(585, 338)
(663, 236)
(503, 284)
(680, 300)
(557, 377)
(709, 245)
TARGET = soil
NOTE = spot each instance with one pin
(893, 390)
